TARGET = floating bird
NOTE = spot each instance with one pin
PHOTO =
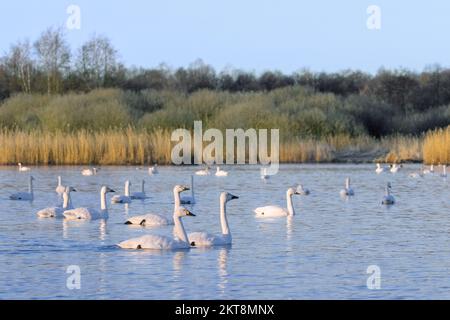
(347, 191)
(57, 212)
(22, 168)
(89, 213)
(203, 172)
(139, 194)
(123, 198)
(388, 199)
(276, 211)
(221, 173)
(28, 196)
(189, 199)
(89, 172)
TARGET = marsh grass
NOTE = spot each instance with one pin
(436, 149)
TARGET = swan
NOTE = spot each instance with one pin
(379, 169)
(264, 174)
(60, 189)
(156, 242)
(24, 195)
(221, 173)
(395, 168)
(88, 213)
(123, 198)
(189, 199)
(204, 239)
(388, 197)
(89, 172)
(57, 212)
(153, 170)
(348, 191)
(276, 211)
(428, 171)
(418, 174)
(157, 220)
(444, 171)
(302, 191)
(22, 168)
(139, 195)
(204, 172)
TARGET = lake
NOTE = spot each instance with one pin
(323, 252)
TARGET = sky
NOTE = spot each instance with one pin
(252, 35)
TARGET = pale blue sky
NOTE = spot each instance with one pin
(258, 35)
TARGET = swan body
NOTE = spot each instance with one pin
(153, 170)
(388, 198)
(428, 171)
(123, 198)
(60, 189)
(89, 213)
(347, 191)
(204, 239)
(189, 199)
(221, 173)
(89, 172)
(379, 169)
(157, 220)
(139, 195)
(203, 172)
(395, 168)
(22, 168)
(156, 242)
(276, 211)
(27, 196)
(57, 212)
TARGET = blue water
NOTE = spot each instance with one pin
(321, 253)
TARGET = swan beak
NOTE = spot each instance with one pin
(74, 190)
(189, 214)
(111, 190)
(186, 188)
(234, 197)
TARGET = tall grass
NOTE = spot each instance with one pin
(436, 148)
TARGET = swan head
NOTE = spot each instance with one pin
(226, 196)
(106, 189)
(388, 185)
(183, 212)
(180, 188)
(292, 191)
(128, 183)
(70, 189)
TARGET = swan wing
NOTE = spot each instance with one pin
(81, 214)
(120, 199)
(21, 196)
(51, 212)
(205, 239)
(149, 220)
(153, 242)
(271, 211)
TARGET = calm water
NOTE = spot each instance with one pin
(323, 252)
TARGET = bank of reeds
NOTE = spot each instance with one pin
(139, 147)
(436, 148)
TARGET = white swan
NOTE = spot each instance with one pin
(57, 212)
(189, 199)
(123, 198)
(276, 211)
(429, 171)
(153, 170)
(348, 191)
(22, 168)
(203, 172)
(24, 195)
(221, 173)
(89, 172)
(418, 174)
(444, 171)
(155, 242)
(60, 189)
(379, 169)
(388, 198)
(88, 213)
(264, 174)
(139, 195)
(204, 239)
(395, 168)
(157, 220)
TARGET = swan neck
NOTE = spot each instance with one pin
(127, 189)
(103, 201)
(66, 200)
(177, 200)
(192, 187)
(223, 218)
(30, 186)
(59, 181)
(179, 229)
(290, 207)
(142, 186)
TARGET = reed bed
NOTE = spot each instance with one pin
(133, 146)
(436, 148)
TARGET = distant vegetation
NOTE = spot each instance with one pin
(47, 89)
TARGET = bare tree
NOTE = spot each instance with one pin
(54, 56)
(20, 64)
(96, 61)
